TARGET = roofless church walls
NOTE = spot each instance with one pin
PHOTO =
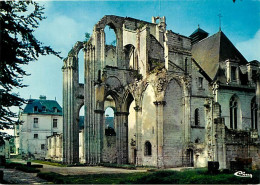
(166, 101)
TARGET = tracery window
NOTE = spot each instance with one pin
(233, 106)
(148, 149)
(253, 113)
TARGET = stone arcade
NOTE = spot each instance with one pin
(178, 101)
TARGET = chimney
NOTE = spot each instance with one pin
(42, 97)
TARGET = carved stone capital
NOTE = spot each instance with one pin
(159, 103)
(99, 111)
(161, 84)
(122, 113)
(137, 108)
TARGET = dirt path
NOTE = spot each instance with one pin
(13, 176)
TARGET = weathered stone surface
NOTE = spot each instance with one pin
(168, 111)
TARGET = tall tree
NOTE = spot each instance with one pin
(18, 21)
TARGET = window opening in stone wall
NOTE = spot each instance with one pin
(55, 123)
(81, 66)
(200, 82)
(233, 112)
(253, 113)
(55, 109)
(54, 133)
(131, 57)
(42, 146)
(110, 46)
(110, 35)
(233, 73)
(148, 149)
(196, 117)
(35, 136)
(35, 123)
(109, 122)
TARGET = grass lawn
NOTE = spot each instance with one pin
(190, 176)
(49, 163)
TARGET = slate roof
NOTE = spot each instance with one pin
(209, 52)
(199, 30)
(40, 104)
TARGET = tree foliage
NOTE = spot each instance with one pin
(18, 21)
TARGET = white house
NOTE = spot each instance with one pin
(40, 118)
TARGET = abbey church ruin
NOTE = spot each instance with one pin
(177, 100)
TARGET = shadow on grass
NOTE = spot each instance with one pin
(191, 176)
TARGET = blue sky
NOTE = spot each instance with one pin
(68, 21)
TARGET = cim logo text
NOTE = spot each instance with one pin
(242, 174)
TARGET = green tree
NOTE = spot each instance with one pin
(87, 36)
(18, 21)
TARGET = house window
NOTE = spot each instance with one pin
(233, 73)
(253, 113)
(55, 109)
(200, 82)
(35, 136)
(35, 123)
(43, 109)
(54, 133)
(42, 146)
(55, 123)
(35, 109)
(148, 149)
(196, 117)
(233, 112)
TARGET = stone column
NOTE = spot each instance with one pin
(100, 133)
(70, 124)
(87, 109)
(122, 137)
(65, 111)
(219, 136)
(159, 127)
(139, 143)
(258, 101)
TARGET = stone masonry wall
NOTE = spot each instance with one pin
(173, 125)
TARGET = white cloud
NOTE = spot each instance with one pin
(250, 48)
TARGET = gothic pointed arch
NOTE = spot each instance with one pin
(234, 112)
(254, 117)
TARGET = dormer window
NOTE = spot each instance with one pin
(35, 109)
(55, 109)
(43, 109)
(252, 69)
(233, 74)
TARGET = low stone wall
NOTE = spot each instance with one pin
(54, 147)
(239, 144)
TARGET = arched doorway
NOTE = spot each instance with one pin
(109, 150)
